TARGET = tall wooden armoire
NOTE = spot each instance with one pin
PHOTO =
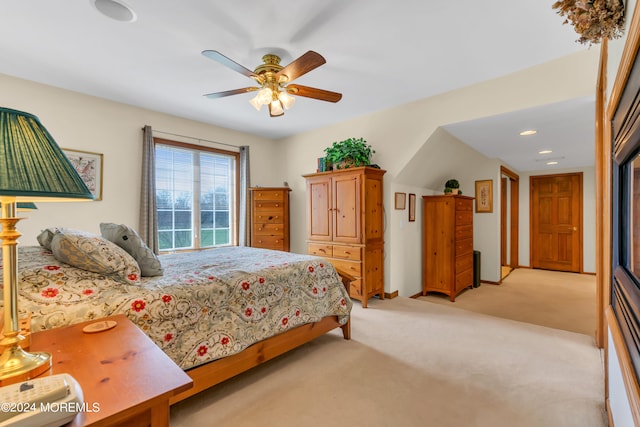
(345, 224)
(270, 218)
(447, 265)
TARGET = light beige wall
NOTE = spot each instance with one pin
(588, 216)
(402, 136)
(87, 123)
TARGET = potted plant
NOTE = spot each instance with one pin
(350, 152)
(452, 186)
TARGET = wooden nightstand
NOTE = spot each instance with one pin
(121, 370)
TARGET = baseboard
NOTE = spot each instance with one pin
(419, 294)
(391, 295)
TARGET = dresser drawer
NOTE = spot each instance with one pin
(464, 218)
(464, 279)
(464, 263)
(259, 205)
(269, 242)
(268, 218)
(268, 195)
(464, 205)
(464, 247)
(347, 252)
(320, 250)
(268, 230)
(464, 232)
(352, 267)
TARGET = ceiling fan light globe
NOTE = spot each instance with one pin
(276, 108)
(287, 100)
(264, 96)
(256, 103)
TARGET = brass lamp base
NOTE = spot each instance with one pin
(18, 365)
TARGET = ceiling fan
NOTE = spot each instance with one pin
(274, 80)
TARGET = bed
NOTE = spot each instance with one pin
(215, 313)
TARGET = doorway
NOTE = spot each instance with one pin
(556, 222)
(509, 213)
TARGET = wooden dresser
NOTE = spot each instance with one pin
(345, 224)
(447, 265)
(270, 218)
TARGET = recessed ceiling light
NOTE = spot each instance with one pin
(528, 132)
(552, 163)
(115, 10)
(545, 152)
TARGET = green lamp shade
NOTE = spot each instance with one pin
(32, 166)
(25, 206)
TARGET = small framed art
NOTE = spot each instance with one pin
(412, 207)
(484, 196)
(89, 167)
(401, 201)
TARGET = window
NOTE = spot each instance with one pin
(625, 289)
(196, 196)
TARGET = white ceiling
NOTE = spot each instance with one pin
(379, 54)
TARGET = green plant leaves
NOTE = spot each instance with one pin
(351, 151)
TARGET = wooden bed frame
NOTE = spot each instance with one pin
(217, 371)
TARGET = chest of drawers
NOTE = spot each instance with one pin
(447, 265)
(270, 218)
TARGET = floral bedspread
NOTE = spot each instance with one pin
(207, 305)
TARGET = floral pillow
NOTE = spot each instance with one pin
(127, 238)
(93, 253)
(45, 237)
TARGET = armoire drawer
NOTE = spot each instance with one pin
(355, 288)
(352, 267)
(320, 250)
(347, 252)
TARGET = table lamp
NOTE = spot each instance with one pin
(33, 168)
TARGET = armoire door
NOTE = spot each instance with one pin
(346, 208)
(319, 217)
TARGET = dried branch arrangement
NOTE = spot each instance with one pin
(593, 20)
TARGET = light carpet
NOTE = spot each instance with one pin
(410, 363)
(547, 298)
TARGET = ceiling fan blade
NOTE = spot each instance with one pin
(218, 57)
(312, 92)
(231, 92)
(301, 66)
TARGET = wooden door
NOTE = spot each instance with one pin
(503, 221)
(346, 208)
(556, 222)
(319, 221)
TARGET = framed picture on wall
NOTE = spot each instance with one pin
(484, 196)
(89, 167)
(401, 201)
(412, 207)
